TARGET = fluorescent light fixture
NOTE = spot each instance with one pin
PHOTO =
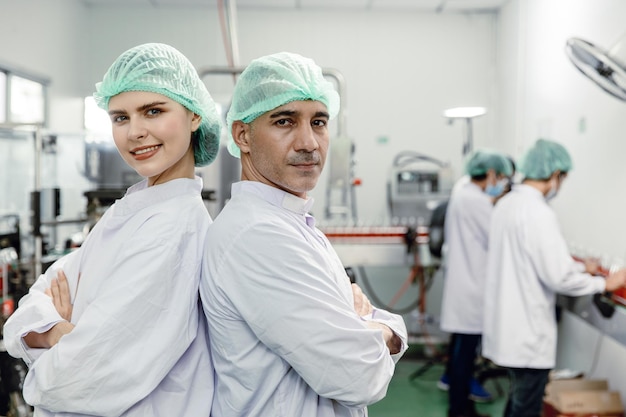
(464, 112)
(467, 114)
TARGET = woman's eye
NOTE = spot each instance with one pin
(320, 123)
(119, 119)
(153, 112)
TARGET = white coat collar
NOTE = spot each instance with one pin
(140, 196)
(275, 196)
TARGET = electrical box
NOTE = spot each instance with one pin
(415, 193)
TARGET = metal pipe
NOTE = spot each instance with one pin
(232, 31)
(38, 152)
(202, 72)
(341, 89)
(36, 210)
(11, 125)
(67, 221)
(469, 137)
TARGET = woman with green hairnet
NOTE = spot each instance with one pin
(528, 264)
(466, 231)
(114, 328)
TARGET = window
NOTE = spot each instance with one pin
(26, 101)
(3, 97)
(22, 97)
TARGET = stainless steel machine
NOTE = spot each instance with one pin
(417, 185)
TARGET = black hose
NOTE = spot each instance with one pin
(407, 157)
(377, 301)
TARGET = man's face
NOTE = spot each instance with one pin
(285, 147)
(493, 178)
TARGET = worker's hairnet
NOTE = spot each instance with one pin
(543, 159)
(274, 80)
(482, 160)
(160, 68)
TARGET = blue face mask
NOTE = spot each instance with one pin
(497, 189)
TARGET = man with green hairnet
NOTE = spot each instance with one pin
(528, 264)
(467, 234)
(290, 336)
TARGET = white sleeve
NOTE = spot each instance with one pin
(482, 217)
(36, 312)
(555, 266)
(128, 338)
(309, 322)
(397, 325)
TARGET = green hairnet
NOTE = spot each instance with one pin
(543, 159)
(160, 68)
(274, 80)
(482, 160)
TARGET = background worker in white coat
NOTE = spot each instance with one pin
(290, 336)
(120, 332)
(478, 393)
(467, 234)
(528, 264)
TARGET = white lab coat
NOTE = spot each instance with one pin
(528, 264)
(467, 236)
(460, 183)
(285, 338)
(140, 345)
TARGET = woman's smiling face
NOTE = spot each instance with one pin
(153, 134)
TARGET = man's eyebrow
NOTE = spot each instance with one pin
(282, 113)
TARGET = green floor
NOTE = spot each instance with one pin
(420, 397)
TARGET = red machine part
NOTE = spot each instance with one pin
(619, 295)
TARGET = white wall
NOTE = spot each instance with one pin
(544, 95)
(402, 68)
(48, 39)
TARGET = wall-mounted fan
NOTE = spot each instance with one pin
(607, 69)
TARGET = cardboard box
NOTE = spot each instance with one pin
(581, 397)
(579, 384)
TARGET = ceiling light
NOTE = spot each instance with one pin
(464, 112)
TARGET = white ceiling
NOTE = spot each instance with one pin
(415, 5)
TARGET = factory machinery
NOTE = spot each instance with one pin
(400, 268)
(397, 264)
(13, 284)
